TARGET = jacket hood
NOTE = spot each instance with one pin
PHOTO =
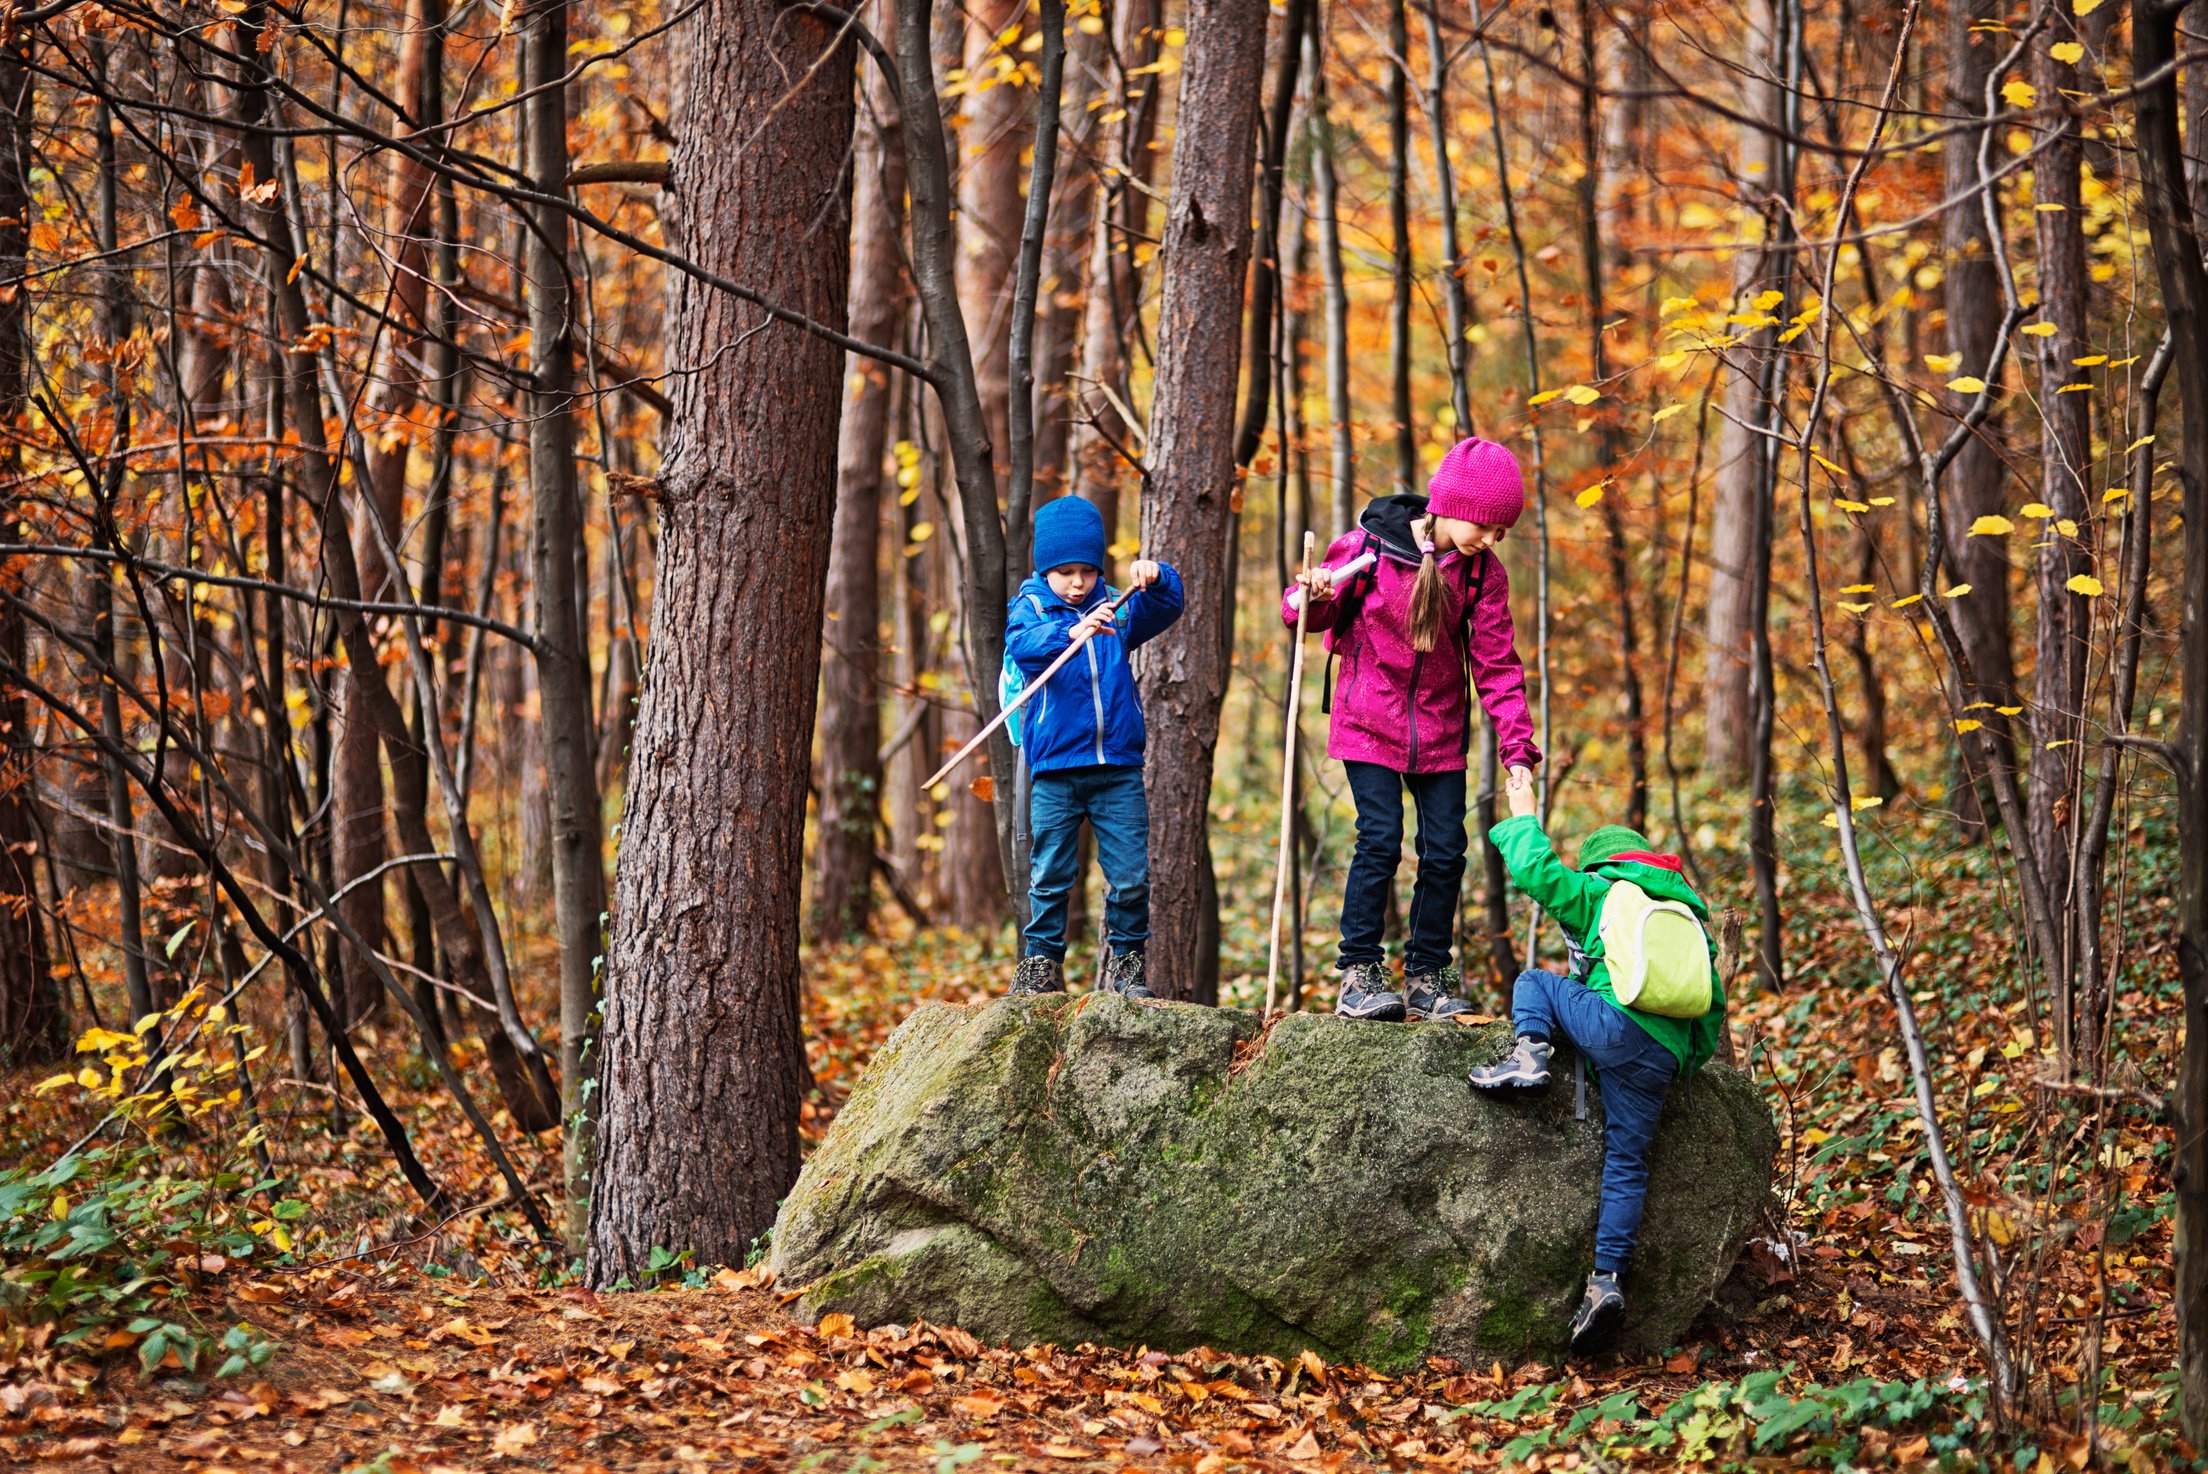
(1664, 885)
(1389, 519)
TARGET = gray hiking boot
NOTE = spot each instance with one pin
(1037, 975)
(1601, 1312)
(1366, 995)
(1433, 995)
(1123, 974)
(1526, 1067)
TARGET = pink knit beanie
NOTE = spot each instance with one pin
(1478, 481)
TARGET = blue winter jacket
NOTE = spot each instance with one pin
(1089, 713)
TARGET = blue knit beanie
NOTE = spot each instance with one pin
(1068, 530)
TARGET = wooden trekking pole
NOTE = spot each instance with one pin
(1285, 856)
(1015, 703)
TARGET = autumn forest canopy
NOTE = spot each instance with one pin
(509, 508)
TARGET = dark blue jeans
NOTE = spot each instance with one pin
(1110, 797)
(1379, 795)
(1635, 1073)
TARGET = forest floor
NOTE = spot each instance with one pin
(1840, 1342)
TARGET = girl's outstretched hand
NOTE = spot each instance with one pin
(1318, 583)
(1519, 788)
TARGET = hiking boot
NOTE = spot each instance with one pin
(1123, 974)
(1433, 995)
(1601, 1312)
(1366, 995)
(1037, 975)
(1526, 1067)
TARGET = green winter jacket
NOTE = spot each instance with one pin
(1575, 899)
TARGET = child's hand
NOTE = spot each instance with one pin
(1318, 583)
(1097, 621)
(1519, 788)
(1143, 574)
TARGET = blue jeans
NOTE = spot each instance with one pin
(1379, 794)
(1634, 1072)
(1110, 797)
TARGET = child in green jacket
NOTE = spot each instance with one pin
(1636, 1055)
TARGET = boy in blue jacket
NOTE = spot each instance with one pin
(1083, 740)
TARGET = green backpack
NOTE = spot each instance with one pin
(1659, 955)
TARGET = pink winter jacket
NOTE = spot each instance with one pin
(1410, 711)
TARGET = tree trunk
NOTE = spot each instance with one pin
(2063, 646)
(33, 1017)
(851, 686)
(702, 1060)
(1740, 479)
(1112, 314)
(1187, 512)
(555, 541)
(2184, 285)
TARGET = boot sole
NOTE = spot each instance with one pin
(1512, 1082)
(1601, 1331)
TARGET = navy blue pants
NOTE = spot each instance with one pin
(1635, 1073)
(1441, 843)
(1110, 797)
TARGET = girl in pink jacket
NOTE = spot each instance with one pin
(1413, 633)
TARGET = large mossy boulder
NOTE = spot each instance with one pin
(1090, 1169)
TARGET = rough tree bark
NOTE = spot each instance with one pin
(555, 541)
(1187, 511)
(702, 1060)
(851, 687)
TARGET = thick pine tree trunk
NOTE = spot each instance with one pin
(2154, 45)
(851, 686)
(701, 1060)
(1187, 512)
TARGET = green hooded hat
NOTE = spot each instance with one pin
(1608, 842)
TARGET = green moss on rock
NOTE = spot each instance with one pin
(1093, 1169)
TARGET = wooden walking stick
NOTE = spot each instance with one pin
(1288, 784)
(1016, 703)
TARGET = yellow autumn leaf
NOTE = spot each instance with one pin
(1765, 301)
(2075, 389)
(1849, 506)
(1882, 501)
(2084, 7)
(2038, 509)
(1967, 384)
(1591, 495)
(59, 1208)
(2008, 711)
(1582, 394)
(1820, 460)
(2115, 494)
(2091, 360)
(1543, 397)
(1993, 524)
(1860, 804)
(2069, 53)
(1905, 603)
(1956, 592)
(2050, 207)
(1853, 608)
(2084, 583)
(1674, 304)
(1666, 413)
(1860, 588)
(2067, 528)
(1943, 363)
(1968, 724)
(2038, 329)
(2019, 93)
(2142, 440)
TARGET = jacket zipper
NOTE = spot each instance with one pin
(1096, 695)
(1410, 704)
